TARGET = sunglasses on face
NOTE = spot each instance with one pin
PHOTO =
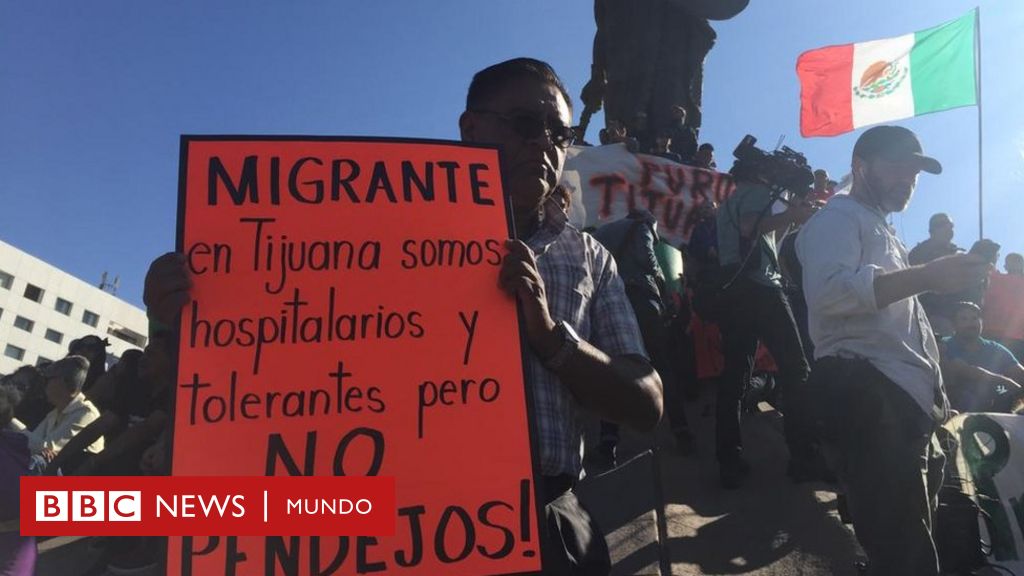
(530, 127)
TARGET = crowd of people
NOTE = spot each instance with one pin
(872, 346)
(76, 417)
(678, 144)
(856, 328)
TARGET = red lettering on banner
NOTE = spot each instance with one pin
(612, 182)
(673, 213)
(649, 169)
(607, 184)
(676, 180)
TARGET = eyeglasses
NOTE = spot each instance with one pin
(530, 127)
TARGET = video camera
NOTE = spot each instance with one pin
(784, 169)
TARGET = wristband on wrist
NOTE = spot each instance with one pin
(570, 344)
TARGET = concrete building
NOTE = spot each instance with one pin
(42, 309)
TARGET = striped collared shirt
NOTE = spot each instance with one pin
(583, 288)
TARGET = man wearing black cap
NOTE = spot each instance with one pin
(877, 374)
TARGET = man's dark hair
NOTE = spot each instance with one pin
(9, 398)
(491, 80)
(937, 219)
(71, 371)
(706, 146)
(31, 378)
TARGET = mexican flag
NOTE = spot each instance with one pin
(845, 87)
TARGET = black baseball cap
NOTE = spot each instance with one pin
(894, 143)
(89, 342)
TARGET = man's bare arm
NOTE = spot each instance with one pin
(623, 389)
(963, 372)
(946, 275)
(106, 422)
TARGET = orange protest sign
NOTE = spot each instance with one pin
(346, 320)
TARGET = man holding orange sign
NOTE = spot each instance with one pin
(585, 350)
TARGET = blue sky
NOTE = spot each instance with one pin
(93, 97)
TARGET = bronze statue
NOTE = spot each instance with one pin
(649, 60)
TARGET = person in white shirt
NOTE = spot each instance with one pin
(72, 411)
(876, 379)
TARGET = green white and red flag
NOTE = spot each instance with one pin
(845, 87)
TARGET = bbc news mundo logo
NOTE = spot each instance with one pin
(207, 506)
(89, 506)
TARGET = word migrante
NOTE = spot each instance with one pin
(311, 180)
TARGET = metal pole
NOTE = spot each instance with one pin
(977, 84)
(661, 513)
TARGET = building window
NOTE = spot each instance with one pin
(54, 336)
(63, 306)
(129, 336)
(24, 323)
(13, 351)
(43, 361)
(90, 318)
(33, 293)
(6, 280)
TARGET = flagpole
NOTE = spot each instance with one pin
(977, 84)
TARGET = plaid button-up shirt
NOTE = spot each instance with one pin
(583, 288)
